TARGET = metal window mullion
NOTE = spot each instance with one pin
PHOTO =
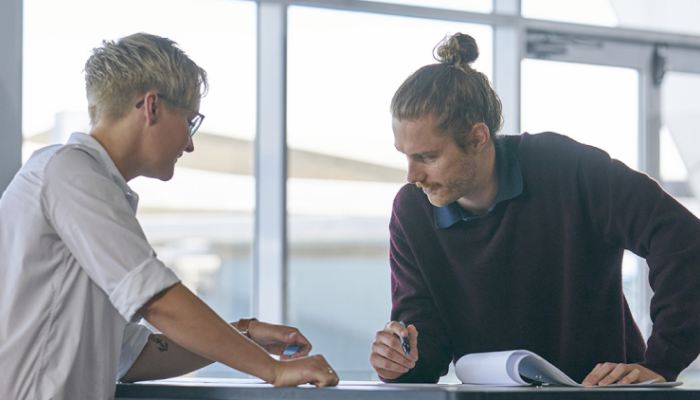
(508, 51)
(595, 51)
(683, 60)
(650, 163)
(269, 249)
(626, 35)
(507, 7)
(649, 121)
(411, 11)
(10, 90)
(507, 43)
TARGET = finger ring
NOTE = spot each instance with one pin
(330, 371)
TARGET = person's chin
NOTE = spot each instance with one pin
(437, 201)
(168, 176)
(165, 175)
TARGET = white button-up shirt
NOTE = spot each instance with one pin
(75, 269)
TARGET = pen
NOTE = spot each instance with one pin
(291, 350)
(405, 341)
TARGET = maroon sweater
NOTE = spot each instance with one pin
(542, 271)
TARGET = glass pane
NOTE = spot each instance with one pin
(344, 171)
(205, 235)
(592, 104)
(679, 117)
(675, 16)
(481, 6)
(592, 12)
(597, 106)
(672, 166)
(680, 152)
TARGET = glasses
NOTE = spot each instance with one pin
(193, 123)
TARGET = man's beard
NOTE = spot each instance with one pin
(452, 189)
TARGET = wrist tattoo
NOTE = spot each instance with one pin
(162, 344)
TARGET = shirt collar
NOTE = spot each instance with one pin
(510, 185)
(106, 161)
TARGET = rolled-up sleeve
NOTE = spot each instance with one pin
(139, 286)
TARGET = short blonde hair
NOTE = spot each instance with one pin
(118, 72)
(457, 95)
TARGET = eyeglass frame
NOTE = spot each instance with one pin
(194, 124)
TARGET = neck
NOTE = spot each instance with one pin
(485, 189)
(119, 139)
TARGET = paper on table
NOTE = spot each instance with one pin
(509, 367)
(489, 369)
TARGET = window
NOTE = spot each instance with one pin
(593, 12)
(343, 69)
(678, 16)
(592, 104)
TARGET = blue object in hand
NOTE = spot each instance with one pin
(290, 350)
(405, 343)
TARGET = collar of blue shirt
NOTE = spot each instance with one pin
(510, 185)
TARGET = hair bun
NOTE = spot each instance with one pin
(458, 50)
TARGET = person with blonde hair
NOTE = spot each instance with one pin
(78, 273)
(505, 242)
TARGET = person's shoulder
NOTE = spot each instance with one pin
(39, 158)
(547, 140)
(72, 170)
(549, 147)
(57, 158)
(71, 159)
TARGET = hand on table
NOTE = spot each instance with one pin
(609, 373)
(313, 369)
(388, 357)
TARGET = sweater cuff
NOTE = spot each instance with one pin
(405, 378)
(669, 373)
(412, 376)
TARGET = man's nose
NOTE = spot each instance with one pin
(190, 146)
(415, 173)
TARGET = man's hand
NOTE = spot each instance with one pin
(388, 357)
(623, 374)
(313, 369)
(276, 338)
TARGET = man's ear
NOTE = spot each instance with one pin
(151, 106)
(479, 136)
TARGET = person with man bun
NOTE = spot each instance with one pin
(77, 271)
(516, 242)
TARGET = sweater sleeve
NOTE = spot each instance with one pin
(412, 302)
(631, 210)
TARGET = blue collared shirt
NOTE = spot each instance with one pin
(510, 185)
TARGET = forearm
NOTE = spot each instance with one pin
(163, 358)
(186, 320)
